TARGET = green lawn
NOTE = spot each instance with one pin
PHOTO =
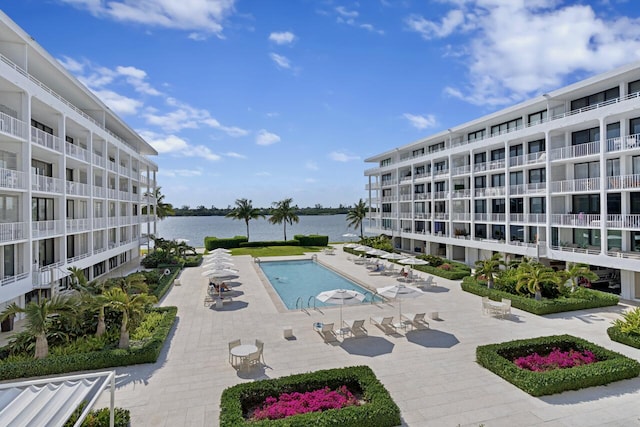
(275, 251)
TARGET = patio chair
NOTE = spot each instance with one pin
(506, 306)
(233, 344)
(486, 308)
(384, 323)
(417, 321)
(326, 332)
(208, 300)
(253, 359)
(260, 346)
(426, 283)
(356, 329)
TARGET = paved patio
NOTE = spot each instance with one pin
(432, 375)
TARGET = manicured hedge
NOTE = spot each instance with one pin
(581, 299)
(616, 334)
(192, 260)
(212, 242)
(312, 240)
(94, 360)
(457, 272)
(611, 367)
(165, 282)
(266, 243)
(378, 411)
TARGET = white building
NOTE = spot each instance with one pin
(556, 177)
(73, 175)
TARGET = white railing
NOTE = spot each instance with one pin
(496, 164)
(46, 184)
(440, 216)
(405, 197)
(621, 254)
(440, 194)
(10, 231)
(78, 257)
(98, 160)
(76, 152)
(372, 186)
(99, 191)
(125, 195)
(574, 185)
(580, 150)
(422, 215)
(13, 126)
(124, 171)
(421, 196)
(10, 178)
(13, 279)
(461, 170)
(623, 182)
(517, 160)
(461, 193)
(587, 251)
(538, 218)
(46, 228)
(418, 176)
(490, 217)
(405, 178)
(532, 158)
(516, 217)
(112, 193)
(578, 220)
(112, 166)
(489, 192)
(623, 143)
(112, 221)
(536, 187)
(387, 199)
(77, 225)
(46, 139)
(99, 222)
(77, 188)
(461, 216)
(406, 215)
(143, 179)
(480, 167)
(440, 172)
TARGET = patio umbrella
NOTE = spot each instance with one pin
(393, 256)
(220, 273)
(340, 297)
(413, 261)
(220, 251)
(362, 248)
(377, 252)
(351, 245)
(216, 263)
(400, 292)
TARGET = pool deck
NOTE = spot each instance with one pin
(432, 375)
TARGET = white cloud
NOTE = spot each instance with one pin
(311, 166)
(235, 155)
(421, 122)
(266, 138)
(120, 104)
(280, 60)
(517, 49)
(340, 156)
(172, 144)
(198, 16)
(285, 37)
(180, 172)
(72, 65)
(349, 17)
(343, 11)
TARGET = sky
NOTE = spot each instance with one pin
(275, 99)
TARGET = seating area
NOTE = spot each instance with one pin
(356, 329)
(415, 321)
(244, 356)
(385, 324)
(496, 308)
(326, 331)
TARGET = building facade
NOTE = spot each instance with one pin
(74, 178)
(556, 178)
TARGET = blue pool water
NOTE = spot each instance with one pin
(305, 279)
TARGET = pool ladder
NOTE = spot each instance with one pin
(311, 303)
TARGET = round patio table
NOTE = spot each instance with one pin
(243, 350)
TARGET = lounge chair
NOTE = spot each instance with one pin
(384, 323)
(426, 283)
(326, 331)
(416, 321)
(356, 329)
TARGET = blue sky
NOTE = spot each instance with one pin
(269, 99)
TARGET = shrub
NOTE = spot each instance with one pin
(312, 240)
(434, 261)
(610, 367)
(269, 243)
(211, 243)
(446, 267)
(100, 417)
(632, 340)
(627, 329)
(378, 410)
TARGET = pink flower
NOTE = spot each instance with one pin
(555, 360)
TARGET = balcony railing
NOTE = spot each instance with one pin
(78, 225)
(112, 193)
(112, 221)
(422, 215)
(461, 216)
(405, 178)
(623, 182)
(10, 231)
(13, 126)
(389, 199)
(46, 139)
(98, 160)
(46, 228)
(497, 217)
(575, 185)
(7, 280)
(78, 257)
(10, 178)
(461, 170)
(623, 143)
(76, 152)
(99, 222)
(538, 218)
(421, 196)
(441, 216)
(496, 164)
(440, 194)
(99, 191)
(580, 150)
(372, 186)
(77, 188)
(46, 184)
(457, 194)
(112, 166)
(438, 172)
(577, 220)
(405, 197)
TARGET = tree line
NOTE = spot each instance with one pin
(214, 211)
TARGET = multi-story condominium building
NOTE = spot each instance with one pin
(556, 178)
(73, 176)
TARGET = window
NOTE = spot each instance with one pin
(8, 261)
(68, 139)
(436, 147)
(614, 204)
(586, 237)
(536, 205)
(385, 162)
(479, 158)
(476, 136)
(8, 209)
(440, 166)
(386, 178)
(71, 247)
(634, 87)
(497, 154)
(585, 136)
(498, 206)
(70, 209)
(635, 203)
(634, 126)
(516, 178)
(497, 232)
(42, 168)
(419, 189)
(42, 209)
(516, 150)
(419, 208)
(536, 146)
(613, 130)
(420, 170)
(506, 126)
(614, 240)
(596, 98)
(42, 127)
(440, 207)
(537, 176)
(635, 241)
(516, 205)
(46, 253)
(8, 160)
(613, 167)
(480, 181)
(536, 118)
(386, 207)
(497, 180)
(586, 170)
(481, 231)
(586, 203)
(418, 152)
(440, 186)
(517, 233)
(481, 206)
(635, 162)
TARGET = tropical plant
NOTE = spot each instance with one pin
(245, 211)
(630, 322)
(78, 280)
(356, 216)
(575, 271)
(534, 276)
(39, 316)
(487, 269)
(132, 308)
(283, 212)
(161, 208)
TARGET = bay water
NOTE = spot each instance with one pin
(195, 228)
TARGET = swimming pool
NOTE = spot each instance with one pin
(305, 279)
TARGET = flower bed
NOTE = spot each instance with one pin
(557, 359)
(609, 367)
(376, 407)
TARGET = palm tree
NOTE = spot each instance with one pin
(162, 209)
(488, 268)
(533, 276)
(38, 317)
(283, 212)
(356, 216)
(131, 307)
(245, 211)
(575, 271)
(78, 280)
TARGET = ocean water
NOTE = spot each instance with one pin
(196, 228)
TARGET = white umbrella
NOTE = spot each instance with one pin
(393, 256)
(351, 245)
(349, 235)
(362, 248)
(220, 273)
(340, 297)
(220, 251)
(400, 292)
(218, 264)
(413, 261)
(377, 252)
(217, 255)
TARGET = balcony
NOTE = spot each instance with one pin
(405, 197)
(460, 170)
(78, 225)
(496, 164)
(461, 216)
(7, 280)
(459, 194)
(576, 185)
(112, 193)
(405, 215)
(99, 191)
(112, 166)
(389, 199)
(10, 231)
(441, 195)
(623, 182)
(422, 196)
(440, 172)
(124, 220)
(77, 189)
(12, 126)
(76, 152)
(485, 217)
(441, 216)
(13, 179)
(629, 142)
(124, 195)
(405, 179)
(51, 228)
(388, 182)
(98, 160)
(491, 192)
(536, 187)
(46, 184)
(112, 221)
(574, 151)
(372, 186)
(78, 257)
(45, 139)
(123, 170)
(422, 215)
(99, 222)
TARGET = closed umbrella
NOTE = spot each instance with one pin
(340, 297)
(216, 264)
(400, 292)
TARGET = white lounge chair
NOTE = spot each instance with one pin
(356, 329)
(416, 321)
(326, 332)
(384, 323)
